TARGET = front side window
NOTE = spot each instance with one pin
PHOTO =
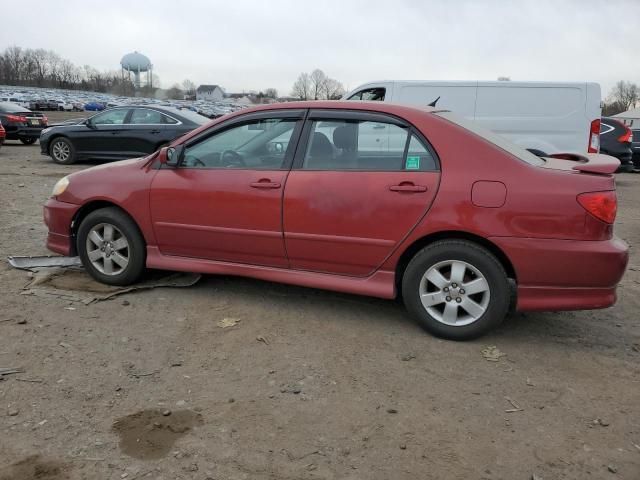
(112, 117)
(365, 145)
(370, 94)
(144, 116)
(256, 145)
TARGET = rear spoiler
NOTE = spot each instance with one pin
(590, 162)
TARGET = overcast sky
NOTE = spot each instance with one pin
(251, 45)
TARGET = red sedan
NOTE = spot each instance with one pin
(366, 198)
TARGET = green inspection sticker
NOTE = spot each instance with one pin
(412, 163)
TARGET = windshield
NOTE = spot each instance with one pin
(488, 135)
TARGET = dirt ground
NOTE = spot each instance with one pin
(240, 379)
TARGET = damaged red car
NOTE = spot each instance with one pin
(366, 198)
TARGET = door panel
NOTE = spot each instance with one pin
(217, 214)
(348, 222)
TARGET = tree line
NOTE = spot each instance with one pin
(46, 69)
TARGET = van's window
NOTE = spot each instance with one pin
(370, 94)
(363, 145)
(497, 140)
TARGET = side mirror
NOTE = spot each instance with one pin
(171, 156)
(89, 123)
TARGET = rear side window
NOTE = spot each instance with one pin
(144, 116)
(365, 146)
(370, 94)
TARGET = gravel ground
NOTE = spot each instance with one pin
(240, 379)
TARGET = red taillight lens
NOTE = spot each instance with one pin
(602, 205)
(16, 118)
(594, 137)
(627, 136)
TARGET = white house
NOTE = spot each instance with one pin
(631, 118)
(209, 92)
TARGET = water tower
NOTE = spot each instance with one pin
(137, 63)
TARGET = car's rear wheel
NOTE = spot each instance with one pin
(28, 141)
(456, 289)
(62, 151)
(111, 247)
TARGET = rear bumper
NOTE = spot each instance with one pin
(58, 217)
(24, 132)
(565, 274)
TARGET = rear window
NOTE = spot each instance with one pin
(190, 115)
(497, 140)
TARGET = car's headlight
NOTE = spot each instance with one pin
(45, 130)
(60, 187)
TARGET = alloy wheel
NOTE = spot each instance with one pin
(107, 249)
(61, 151)
(454, 293)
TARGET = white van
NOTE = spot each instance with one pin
(551, 117)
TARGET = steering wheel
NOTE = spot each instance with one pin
(229, 158)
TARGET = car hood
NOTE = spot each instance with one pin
(116, 166)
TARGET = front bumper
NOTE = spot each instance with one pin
(58, 217)
(565, 274)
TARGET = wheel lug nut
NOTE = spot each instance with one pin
(446, 289)
(454, 285)
(448, 299)
(462, 291)
(458, 300)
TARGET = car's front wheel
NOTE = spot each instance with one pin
(28, 140)
(111, 247)
(62, 151)
(456, 289)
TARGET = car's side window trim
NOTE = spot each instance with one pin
(361, 116)
(295, 115)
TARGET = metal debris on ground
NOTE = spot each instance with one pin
(492, 354)
(73, 284)
(516, 407)
(9, 371)
(228, 322)
(260, 338)
(27, 263)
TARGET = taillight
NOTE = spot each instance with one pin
(17, 118)
(602, 205)
(627, 136)
(594, 137)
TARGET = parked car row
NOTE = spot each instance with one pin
(73, 100)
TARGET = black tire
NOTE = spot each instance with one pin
(28, 141)
(60, 157)
(475, 256)
(136, 250)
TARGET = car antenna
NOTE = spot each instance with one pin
(433, 104)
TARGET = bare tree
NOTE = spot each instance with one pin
(332, 89)
(189, 87)
(318, 81)
(271, 93)
(302, 87)
(175, 92)
(626, 94)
